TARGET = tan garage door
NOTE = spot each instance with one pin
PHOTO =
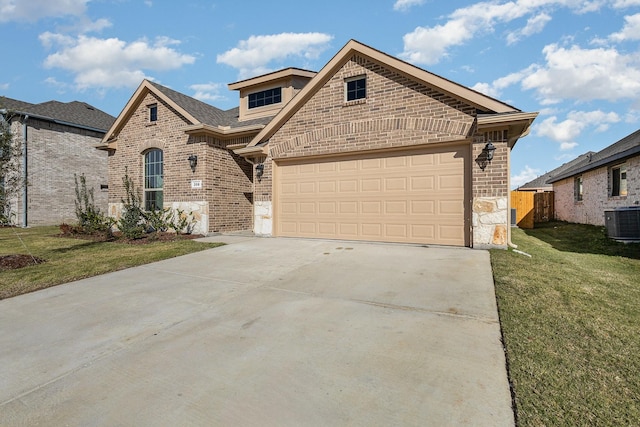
(412, 197)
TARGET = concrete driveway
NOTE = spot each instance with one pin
(263, 332)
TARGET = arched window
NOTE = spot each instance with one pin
(153, 179)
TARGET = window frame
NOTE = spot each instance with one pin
(359, 93)
(618, 180)
(578, 188)
(156, 180)
(153, 113)
(264, 98)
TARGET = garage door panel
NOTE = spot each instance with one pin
(416, 197)
(348, 186)
(422, 183)
(371, 184)
(395, 184)
(326, 208)
(326, 187)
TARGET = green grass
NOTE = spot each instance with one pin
(570, 317)
(69, 259)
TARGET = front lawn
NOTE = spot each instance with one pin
(68, 259)
(570, 317)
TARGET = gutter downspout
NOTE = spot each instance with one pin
(25, 173)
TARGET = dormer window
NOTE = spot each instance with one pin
(265, 97)
(153, 113)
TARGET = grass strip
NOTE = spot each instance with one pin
(570, 317)
(69, 259)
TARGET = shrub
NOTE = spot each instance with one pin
(90, 219)
(132, 220)
(183, 223)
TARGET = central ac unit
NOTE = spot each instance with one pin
(623, 223)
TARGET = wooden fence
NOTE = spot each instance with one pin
(532, 207)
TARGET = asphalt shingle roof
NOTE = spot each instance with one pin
(75, 112)
(205, 113)
(543, 180)
(626, 147)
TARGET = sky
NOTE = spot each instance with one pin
(576, 62)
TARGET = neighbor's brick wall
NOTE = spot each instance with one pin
(397, 112)
(595, 190)
(226, 178)
(55, 153)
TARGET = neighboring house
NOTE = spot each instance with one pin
(601, 181)
(179, 151)
(370, 148)
(58, 140)
(542, 183)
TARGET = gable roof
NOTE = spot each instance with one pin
(482, 102)
(543, 180)
(75, 113)
(628, 146)
(200, 115)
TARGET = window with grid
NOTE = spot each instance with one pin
(153, 113)
(153, 180)
(265, 97)
(356, 88)
(578, 188)
(619, 180)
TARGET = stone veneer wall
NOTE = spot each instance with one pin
(595, 190)
(224, 203)
(490, 191)
(55, 153)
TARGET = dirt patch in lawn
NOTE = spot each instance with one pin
(12, 262)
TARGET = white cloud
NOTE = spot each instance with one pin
(585, 75)
(534, 25)
(630, 31)
(495, 88)
(524, 176)
(566, 146)
(622, 4)
(252, 56)
(33, 10)
(4, 86)
(429, 45)
(404, 5)
(207, 91)
(103, 63)
(567, 131)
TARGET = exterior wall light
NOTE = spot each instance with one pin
(259, 171)
(489, 148)
(193, 161)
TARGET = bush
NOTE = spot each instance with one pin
(90, 219)
(132, 221)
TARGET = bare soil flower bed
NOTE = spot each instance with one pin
(12, 262)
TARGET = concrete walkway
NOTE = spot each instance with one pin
(262, 332)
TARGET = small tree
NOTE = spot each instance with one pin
(90, 219)
(11, 182)
(131, 222)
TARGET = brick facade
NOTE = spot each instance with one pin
(398, 112)
(224, 203)
(55, 153)
(596, 199)
(490, 190)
